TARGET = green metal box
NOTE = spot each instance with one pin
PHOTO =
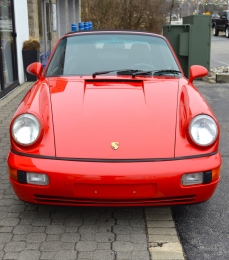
(191, 41)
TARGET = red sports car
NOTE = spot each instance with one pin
(112, 121)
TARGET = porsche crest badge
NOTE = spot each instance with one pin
(115, 145)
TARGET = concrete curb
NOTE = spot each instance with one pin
(163, 240)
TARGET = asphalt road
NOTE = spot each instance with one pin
(219, 51)
(204, 228)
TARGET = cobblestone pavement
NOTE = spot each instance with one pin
(49, 232)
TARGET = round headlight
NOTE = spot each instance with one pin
(203, 130)
(26, 129)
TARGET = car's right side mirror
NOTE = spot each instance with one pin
(197, 71)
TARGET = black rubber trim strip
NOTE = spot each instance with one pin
(114, 160)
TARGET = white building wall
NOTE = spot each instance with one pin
(22, 30)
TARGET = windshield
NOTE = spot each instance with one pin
(87, 54)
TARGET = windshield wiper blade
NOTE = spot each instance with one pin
(162, 72)
(119, 72)
(156, 72)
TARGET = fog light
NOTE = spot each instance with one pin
(38, 179)
(192, 178)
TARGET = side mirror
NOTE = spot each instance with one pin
(35, 68)
(197, 71)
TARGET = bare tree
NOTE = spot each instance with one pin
(125, 14)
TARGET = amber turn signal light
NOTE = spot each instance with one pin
(12, 173)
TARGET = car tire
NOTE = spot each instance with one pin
(227, 32)
(215, 31)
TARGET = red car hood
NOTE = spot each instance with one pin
(139, 115)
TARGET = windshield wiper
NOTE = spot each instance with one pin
(119, 72)
(134, 73)
(156, 72)
(163, 72)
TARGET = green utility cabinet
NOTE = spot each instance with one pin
(191, 41)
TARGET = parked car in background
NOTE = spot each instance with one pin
(221, 23)
(113, 121)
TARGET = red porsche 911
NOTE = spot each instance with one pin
(113, 121)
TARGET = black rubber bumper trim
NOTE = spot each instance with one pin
(114, 160)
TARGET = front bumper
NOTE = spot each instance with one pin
(76, 183)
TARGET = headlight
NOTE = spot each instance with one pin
(203, 130)
(26, 129)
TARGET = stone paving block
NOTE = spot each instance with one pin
(166, 256)
(33, 246)
(19, 237)
(159, 217)
(73, 222)
(162, 231)
(105, 228)
(71, 229)
(85, 255)
(22, 229)
(55, 229)
(26, 221)
(90, 221)
(50, 246)
(53, 238)
(87, 214)
(137, 255)
(88, 229)
(120, 229)
(47, 255)
(124, 222)
(6, 229)
(87, 236)
(105, 237)
(140, 247)
(38, 229)
(136, 212)
(36, 238)
(103, 254)
(29, 214)
(3, 214)
(105, 222)
(9, 256)
(86, 246)
(70, 237)
(104, 246)
(122, 246)
(123, 255)
(41, 222)
(158, 211)
(7, 202)
(163, 238)
(29, 255)
(160, 224)
(122, 214)
(138, 238)
(15, 246)
(68, 246)
(6, 238)
(10, 222)
(137, 222)
(66, 254)
(123, 237)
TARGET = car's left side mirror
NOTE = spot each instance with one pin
(197, 71)
(35, 68)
